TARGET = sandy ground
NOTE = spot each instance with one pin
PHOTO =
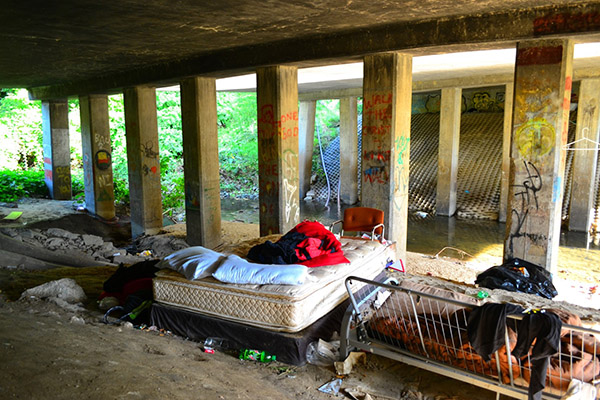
(47, 351)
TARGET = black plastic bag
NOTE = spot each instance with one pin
(518, 275)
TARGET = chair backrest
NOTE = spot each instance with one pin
(357, 219)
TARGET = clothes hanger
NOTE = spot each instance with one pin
(590, 144)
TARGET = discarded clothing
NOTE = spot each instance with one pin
(143, 269)
(543, 328)
(132, 287)
(309, 243)
(486, 327)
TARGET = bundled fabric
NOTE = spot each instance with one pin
(132, 288)
(517, 275)
(538, 337)
(123, 275)
(309, 244)
(542, 330)
(486, 326)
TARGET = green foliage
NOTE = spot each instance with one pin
(116, 116)
(75, 135)
(20, 131)
(174, 193)
(22, 150)
(77, 183)
(168, 107)
(121, 189)
(238, 143)
(18, 184)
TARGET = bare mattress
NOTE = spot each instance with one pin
(283, 308)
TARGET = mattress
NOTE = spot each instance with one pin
(282, 308)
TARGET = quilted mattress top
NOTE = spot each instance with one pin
(359, 252)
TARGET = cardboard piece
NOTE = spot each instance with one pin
(13, 216)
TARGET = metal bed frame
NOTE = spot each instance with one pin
(438, 323)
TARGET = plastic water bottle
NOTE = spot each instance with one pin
(256, 355)
(212, 343)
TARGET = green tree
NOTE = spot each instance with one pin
(20, 131)
(238, 143)
(22, 139)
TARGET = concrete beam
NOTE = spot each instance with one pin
(141, 129)
(278, 176)
(57, 151)
(386, 141)
(586, 155)
(450, 113)
(348, 150)
(507, 26)
(201, 161)
(474, 80)
(97, 156)
(306, 140)
(506, 144)
(542, 93)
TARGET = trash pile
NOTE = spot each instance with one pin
(37, 249)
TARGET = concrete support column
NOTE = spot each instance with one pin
(450, 110)
(277, 103)
(506, 137)
(387, 96)
(97, 160)
(306, 143)
(348, 150)
(542, 93)
(586, 155)
(57, 151)
(201, 161)
(142, 160)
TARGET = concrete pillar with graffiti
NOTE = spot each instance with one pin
(348, 150)
(542, 93)
(97, 156)
(57, 151)
(306, 125)
(201, 161)
(585, 148)
(387, 96)
(450, 111)
(141, 128)
(278, 176)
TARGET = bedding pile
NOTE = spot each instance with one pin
(284, 298)
(197, 262)
(280, 308)
(308, 243)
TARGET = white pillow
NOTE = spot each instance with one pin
(193, 262)
(237, 270)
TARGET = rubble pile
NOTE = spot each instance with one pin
(46, 248)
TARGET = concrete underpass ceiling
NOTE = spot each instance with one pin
(70, 47)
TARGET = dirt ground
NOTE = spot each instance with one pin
(53, 352)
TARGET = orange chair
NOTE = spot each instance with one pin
(362, 219)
